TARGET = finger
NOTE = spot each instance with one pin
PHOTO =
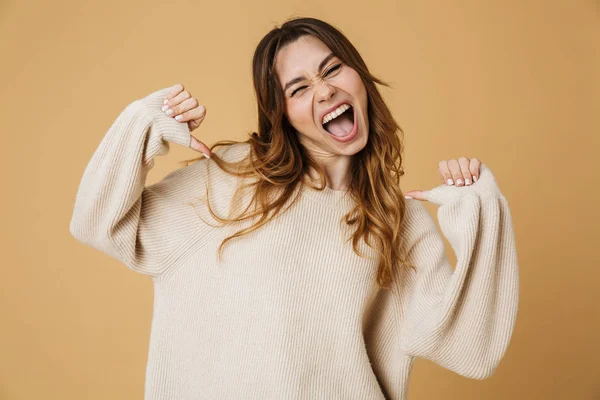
(455, 171)
(178, 99)
(416, 194)
(474, 166)
(199, 146)
(463, 162)
(197, 114)
(183, 109)
(173, 91)
(445, 173)
(194, 117)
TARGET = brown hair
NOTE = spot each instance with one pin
(279, 163)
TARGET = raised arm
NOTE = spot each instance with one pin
(461, 319)
(115, 213)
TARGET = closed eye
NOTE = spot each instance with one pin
(326, 74)
(333, 69)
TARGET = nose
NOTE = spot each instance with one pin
(323, 91)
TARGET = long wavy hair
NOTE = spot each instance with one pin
(277, 163)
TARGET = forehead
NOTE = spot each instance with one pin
(304, 54)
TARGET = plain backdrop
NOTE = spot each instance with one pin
(513, 83)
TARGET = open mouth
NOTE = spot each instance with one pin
(341, 125)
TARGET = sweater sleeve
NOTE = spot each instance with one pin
(114, 212)
(461, 319)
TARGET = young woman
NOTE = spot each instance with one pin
(290, 309)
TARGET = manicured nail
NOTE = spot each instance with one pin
(407, 197)
(205, 155)
(458, 181)
(179, 117)
(467, 181)
(474, 178)
(163, 108)
(165, 102)
(169, 111)
(450, 182)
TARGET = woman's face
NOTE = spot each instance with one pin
(319, 92)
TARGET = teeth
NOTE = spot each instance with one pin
(335, 113)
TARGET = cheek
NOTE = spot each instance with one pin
(300, 114)
(357, 84)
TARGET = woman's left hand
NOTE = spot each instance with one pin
(461, 172)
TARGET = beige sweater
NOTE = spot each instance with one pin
(292, 312)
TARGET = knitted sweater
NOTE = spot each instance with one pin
(291, 311)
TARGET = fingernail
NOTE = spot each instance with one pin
(169, 111)
(458, 181)
(474, 178)
(179, 117)
(165, 102)
(205, 155)
(163, 108)
(450, 182)
(407, 197)
(467, 181)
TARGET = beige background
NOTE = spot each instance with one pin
(514, 83)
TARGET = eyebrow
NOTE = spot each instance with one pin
(300, 78)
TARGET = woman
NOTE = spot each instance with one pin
(290, 309)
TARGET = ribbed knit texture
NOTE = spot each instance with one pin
(292, 312)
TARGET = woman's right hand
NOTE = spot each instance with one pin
(186, 109)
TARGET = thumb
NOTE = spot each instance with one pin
(200, 147)
(416, 194)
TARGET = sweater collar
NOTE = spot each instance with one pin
(339, 199)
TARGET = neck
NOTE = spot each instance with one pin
(337, 171)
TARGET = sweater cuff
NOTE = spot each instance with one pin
(171, 130)
(486, 185)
